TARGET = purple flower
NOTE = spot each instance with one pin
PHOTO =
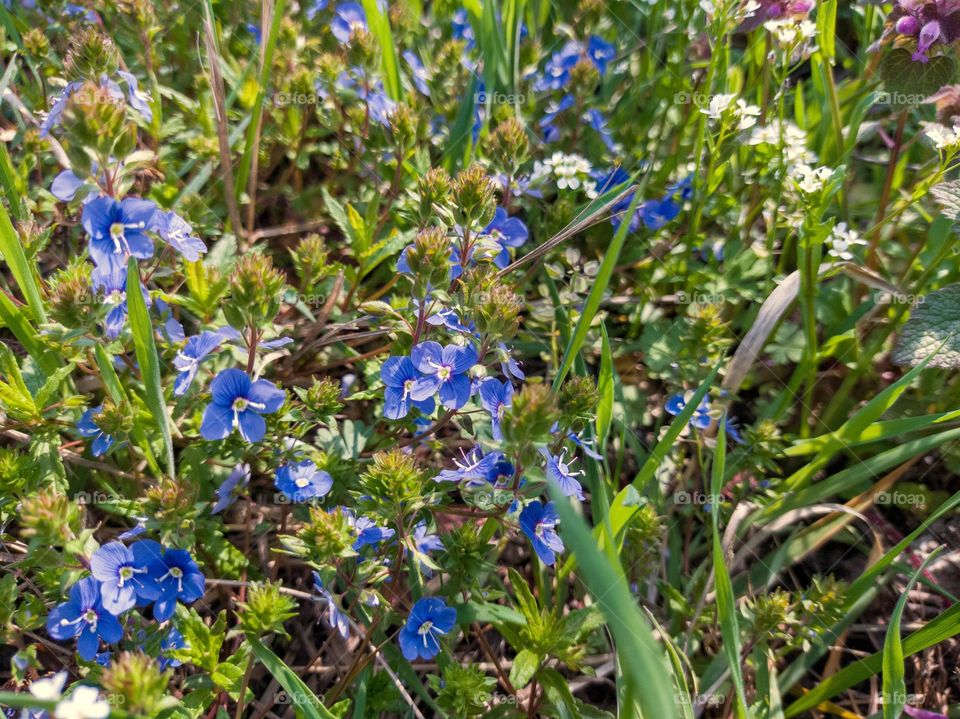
(346, 18)
(561, 474)
(400, 377)
(430, 618)
(473, 468)
(57, 107)
(556, 73)
(445, 370)
(66, 185)
(237, 402)
(121, 572)
(119, 229)
(178, 233)
(302, 481)
(496, 397)
(228, 489)
(369, 533)
(87, 427)
(171, 575)
(538, 522)
(84, 617)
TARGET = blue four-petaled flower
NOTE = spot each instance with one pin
(430, 618)
(445, 371)
(538, 521)
(302, 481)
(83, 616)
(237, 403)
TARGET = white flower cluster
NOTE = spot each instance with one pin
(943, 137)
(735, 110)
(841, 240)
(811, 180)
(84, 702)
(793, 138)
(571, 172)
(789, 33)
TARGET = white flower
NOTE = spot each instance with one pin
(571, 171)
(841, 240)
(811, 179)
(943, 137)
(788, 32)
(718, 105)
(747, 114)
(83, 703)
(49, 688)
(793, 138)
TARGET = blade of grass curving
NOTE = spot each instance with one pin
(253, 130)
(605, 386)
(595, 297)
(379, 24)
(644, 662)
(894, 686)
(23, 272)
(878, 431)
(146, 351)
(304, 700)
(726, 601)
(8, 178)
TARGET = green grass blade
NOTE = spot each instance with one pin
(645, 663)
(304, 700)
(379, 24)
(146, 351)
(726, 601)
(12, 251)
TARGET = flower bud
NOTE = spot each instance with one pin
(578, 397)
(531, 415)
(508, 145)
(49, 518)
(256, 290)
(473, 197)
(394, 479)
(114, 419)
(363, 50)
(265, 610)
(497, 314)
(135, 682)
(71, 299)
(91, 55)
(403, 127)
(323, 397)
(429, 258)
(584, 78)
(326, 536)
(434, 189)
(311, 260)
(172, 501)
(35, 44)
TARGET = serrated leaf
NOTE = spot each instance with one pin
(909, 82)
(947, 195)
(933, 331)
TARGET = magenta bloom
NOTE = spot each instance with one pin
(931, 22)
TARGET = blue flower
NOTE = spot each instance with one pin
(57, 107)
(548, 121)
(172, 330)
(400, 376)
(445, 317)
(556, 73)
(121, 572)
(596, 120)
(369, 533)
(538, 522)
(255, 32)
(429, 619)
(426, 542)
(171, 641)
(601, 52)
(701, 417)
(346, 18)
(84, 617)
(562, 475)
(66, 185)
(119, 229)
(171, 575)
(87, 427)
(315, 7)
(335, 616)
(302, 481)
(462, 29)
(418, 72)
(111, 280)
(228, 489)
(445, 370)
(506, 232)
(188, 359)
(177, 232)
(473, 468)
(138, 100)
(237, 402)
(496, 397)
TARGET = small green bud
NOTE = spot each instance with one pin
(49, 518)
(578, 399)
(434, 189)
(530, 417)
(35, 44)
(323, 397)
(96, 122)
(265, 610)
(464, 691)
(394, 479)
(584, 78)
(329, 68)
(362, 49)
(508, 145)
(429, 258)
(327, 535)
(171, 501)
(403, 127)
(311, 260)
(256, 291)
(114, 419)
(473, 197)
(71, 300)
(135, 682)
(91, 56)
(498, 312)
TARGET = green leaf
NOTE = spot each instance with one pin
(146, 351)
(934, 321)
(22, 269)
(947, 195)
(525, 665)
(379, 24)
(303, 699)
(605, 386)
(910, 82)
(489, 613)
